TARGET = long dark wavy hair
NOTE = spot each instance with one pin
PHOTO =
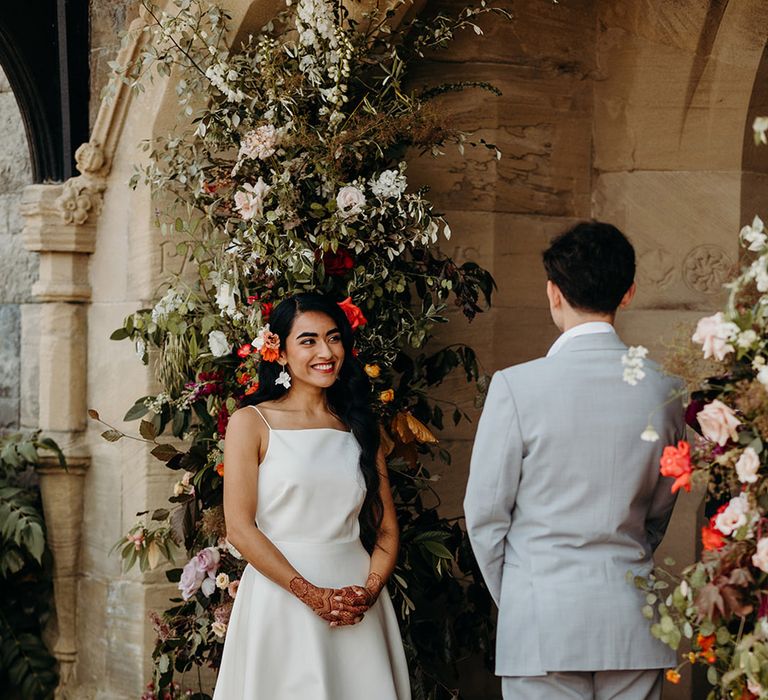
(348, 398)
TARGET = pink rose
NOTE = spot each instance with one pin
(718, 422)
(191, 578)
(714, 334)
(207, 560)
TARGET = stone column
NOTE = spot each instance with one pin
(59, 227)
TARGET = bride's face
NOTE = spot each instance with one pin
(313, 350)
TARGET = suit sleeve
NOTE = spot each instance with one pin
(663, 500)
(494, 475)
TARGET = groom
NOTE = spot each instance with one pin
(564, 498)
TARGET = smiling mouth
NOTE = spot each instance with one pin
(325, 367)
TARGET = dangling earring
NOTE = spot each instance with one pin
(283, 378)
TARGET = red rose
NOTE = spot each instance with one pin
(222, 422)
(676, 462)
(266, 310)
(244, 350)
(338, 263)
(353, 313)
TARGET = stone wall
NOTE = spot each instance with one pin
(18, 270)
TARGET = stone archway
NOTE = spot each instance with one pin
(628, 112)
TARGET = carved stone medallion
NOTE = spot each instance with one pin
(656, 268)
(706, 268)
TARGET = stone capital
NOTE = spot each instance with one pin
(46, 208)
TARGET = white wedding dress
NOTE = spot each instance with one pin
(310, 494)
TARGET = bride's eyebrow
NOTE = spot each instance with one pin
(312, 334)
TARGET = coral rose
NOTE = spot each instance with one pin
(718, 422)
(711, 539)
(676, 462)
(353, 313)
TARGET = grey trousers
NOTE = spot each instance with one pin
(578, 685)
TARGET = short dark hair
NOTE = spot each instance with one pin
(593, 265)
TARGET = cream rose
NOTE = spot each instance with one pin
(734, 516)
(760, 557)
(249, 202)
(718, 422)
(350, 201)
(714, 334)
(747, 466)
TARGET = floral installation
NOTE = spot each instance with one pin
(718, 606)
(291, 175)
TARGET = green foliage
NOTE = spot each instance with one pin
(287, 172)
(26, 666)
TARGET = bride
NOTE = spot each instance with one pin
(308, 505)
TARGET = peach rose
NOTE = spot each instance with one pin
(718, 422)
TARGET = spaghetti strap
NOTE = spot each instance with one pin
(266, 422)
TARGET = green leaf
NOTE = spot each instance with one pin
(119, 334)
(439, 550)
(138, 410)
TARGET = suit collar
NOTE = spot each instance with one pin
(593, 341)
(590, 328)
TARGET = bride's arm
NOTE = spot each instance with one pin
(246, 433)
(384, 556)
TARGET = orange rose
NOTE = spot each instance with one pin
(676, 462)
(353, 313)
(252, 389)
(269, 354)
(373, 371)
(711, 538)
(387, 396)
(220, 469)
(673, 676)
(244, 379)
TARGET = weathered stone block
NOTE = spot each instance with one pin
(684, 226)
(10, 338)
(30, 365)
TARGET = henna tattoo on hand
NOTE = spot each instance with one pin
(318, 599)
(374, 584)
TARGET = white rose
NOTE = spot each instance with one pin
(249, 201)
(734, 516)
(718, 422)
(747, 466)
(178, 488)
(218, 344)
(713, 333)
(762, 376)
(350, 201)
(222, 580)
(219, 629)
(760, 557)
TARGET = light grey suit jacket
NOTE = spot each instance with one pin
(563, 499)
